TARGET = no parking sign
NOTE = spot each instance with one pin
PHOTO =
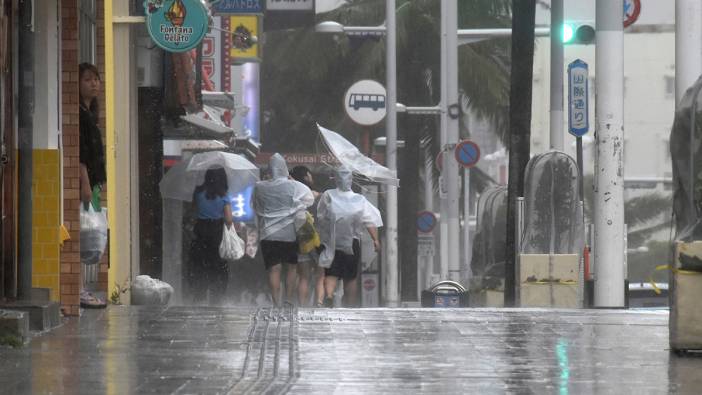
(467, 153)
(426, 221)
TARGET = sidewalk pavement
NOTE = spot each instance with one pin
(188, 350)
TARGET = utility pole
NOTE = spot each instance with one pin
(609, 166)
(521, 78)
(391, 268)
(556, 120)
(688, 45)
(443, 202)
(450, 116)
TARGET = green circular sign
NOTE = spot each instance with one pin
(176, 25)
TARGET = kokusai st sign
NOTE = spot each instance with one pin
(578, 121)
(176, 25)
(365, 102)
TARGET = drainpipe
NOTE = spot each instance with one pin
(25, 114)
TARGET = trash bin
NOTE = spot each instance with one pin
(445, 294)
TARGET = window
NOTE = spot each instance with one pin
(87, 31)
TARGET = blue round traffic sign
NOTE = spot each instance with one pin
(467, 153)
(426, 221)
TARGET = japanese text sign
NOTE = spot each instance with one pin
(578, 95)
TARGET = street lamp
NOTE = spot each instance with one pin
(432, 110)
(337, 28)
(383, 141)
(390, 274)
(468, 36)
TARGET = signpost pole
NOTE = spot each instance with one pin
(579, 156)
(391, 259)
(467, 154)
(443, 202)
(467, 245)
(426, 223)
(429, 206)
(452, 115)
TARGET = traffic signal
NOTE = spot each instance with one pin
(578, 32)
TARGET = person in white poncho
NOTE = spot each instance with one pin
(341, 216)
(277, 202)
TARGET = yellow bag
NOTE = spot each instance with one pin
(307, 236)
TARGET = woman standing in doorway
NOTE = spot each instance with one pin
(208, 271)
(92, 154)
(92, 151)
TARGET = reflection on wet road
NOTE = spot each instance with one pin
(185, 350)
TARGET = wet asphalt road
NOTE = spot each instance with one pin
(199, 350)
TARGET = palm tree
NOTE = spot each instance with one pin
(305, 75)
(302, 69)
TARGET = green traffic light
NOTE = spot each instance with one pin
(567, 33)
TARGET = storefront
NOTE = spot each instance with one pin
(159, 111)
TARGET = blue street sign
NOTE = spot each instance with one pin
(238, 7)
(177, 25)
(578, 98)
(467, 153)
(426, 221)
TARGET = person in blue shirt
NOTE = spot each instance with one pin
(207, 271)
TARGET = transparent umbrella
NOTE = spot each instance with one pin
(347, 154)
(182, 179)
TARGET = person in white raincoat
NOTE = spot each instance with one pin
(341, 216)
(277, 202)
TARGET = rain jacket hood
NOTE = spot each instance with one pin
(278, 167)
(343, 178)
(278, 200)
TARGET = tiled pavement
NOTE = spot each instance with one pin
(196, 350)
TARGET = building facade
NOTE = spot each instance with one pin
(39, 56)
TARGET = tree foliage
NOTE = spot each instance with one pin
(305, 74)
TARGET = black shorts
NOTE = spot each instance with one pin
(345, 266)
(276, 252)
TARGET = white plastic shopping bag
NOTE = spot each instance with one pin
(232, 246)
(93, 234)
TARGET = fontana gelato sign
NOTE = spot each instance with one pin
(176, 25)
